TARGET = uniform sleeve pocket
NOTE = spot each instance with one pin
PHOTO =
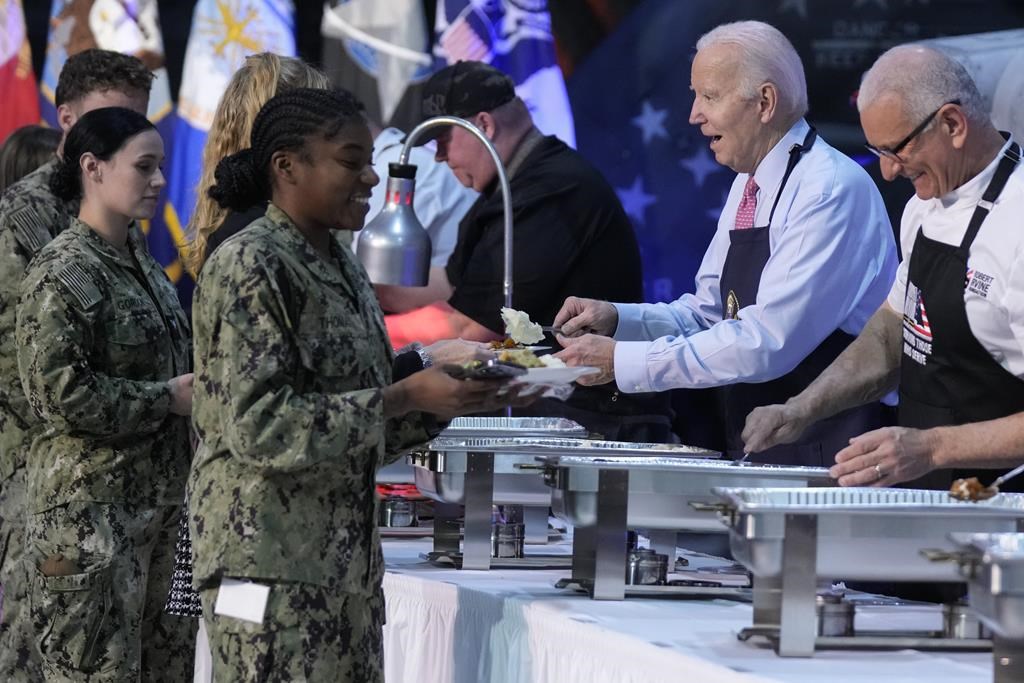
(73, 616)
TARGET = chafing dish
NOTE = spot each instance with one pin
(604, 495)
(993, 566)
(789, 538)
(480, 472)
(459, 468)
(402, 472)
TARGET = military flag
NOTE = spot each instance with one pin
(514, 36)
(17, 82)
(378, 51)
(223, 33)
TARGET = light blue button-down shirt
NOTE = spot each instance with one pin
(833, 259)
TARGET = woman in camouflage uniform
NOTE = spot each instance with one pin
(104, 358)
(296, 406)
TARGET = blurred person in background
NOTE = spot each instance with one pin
(25, 150)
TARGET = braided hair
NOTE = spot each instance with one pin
(101, 132)
(285, 123)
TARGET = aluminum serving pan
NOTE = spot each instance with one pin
(661, 489)
(440, 470)
(402, 472)
(993, 565)
(862, 533)
(512, 427)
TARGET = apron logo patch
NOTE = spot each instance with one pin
(732, 306)
(917, 332)
(978, 282)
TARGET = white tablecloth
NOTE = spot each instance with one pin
(451, 626)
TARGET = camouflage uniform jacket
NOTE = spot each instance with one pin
(30, 216)
(99, 333)
(291, 352)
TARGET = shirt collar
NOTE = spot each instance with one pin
(971, 191)
(297, 243)
(104, 248)
(769, 172)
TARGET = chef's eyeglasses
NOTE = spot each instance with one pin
(893, 153)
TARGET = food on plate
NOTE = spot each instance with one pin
(520, 328)
(506, 343)
(528, 359)
(524, 357)
(971, 489)
(552, 362)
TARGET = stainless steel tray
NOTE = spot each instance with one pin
(662, 490)
(993, 565)
(862, 533)
(538, 446)
(867, 501)
(512, 426)
(461, 427)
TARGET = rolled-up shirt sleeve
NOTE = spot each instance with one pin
(830, 256)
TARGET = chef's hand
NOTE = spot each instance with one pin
(458, 351)
(581, 316)
(885, 457)
(772, 425)
(591, 350)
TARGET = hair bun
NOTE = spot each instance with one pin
(66, 182)
(237, 182)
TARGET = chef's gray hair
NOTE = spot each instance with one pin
(766, 56)
(923, 79)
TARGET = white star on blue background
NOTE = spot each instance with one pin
(635, 200)
(799, 6)
(701, 165)
(651, 122)
(714, 213)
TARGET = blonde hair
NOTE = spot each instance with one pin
(261, 77)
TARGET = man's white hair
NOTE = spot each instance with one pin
(923, 79)
(765, 56)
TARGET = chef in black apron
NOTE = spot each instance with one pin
(749, 250)
(948, 377)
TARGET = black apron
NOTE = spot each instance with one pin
(946, 375)
(749, 250)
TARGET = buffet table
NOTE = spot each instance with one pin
(446, 625)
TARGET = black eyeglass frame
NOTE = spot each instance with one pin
(894, 153)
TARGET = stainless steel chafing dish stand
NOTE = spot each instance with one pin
(791, 538)
(603, 495)
(481, 472)
(455, 477)
(993, 566)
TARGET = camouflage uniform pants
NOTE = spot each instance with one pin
(17, 656)
(100, 573)
(308, 634)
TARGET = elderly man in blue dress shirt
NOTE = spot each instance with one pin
(803, 255)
